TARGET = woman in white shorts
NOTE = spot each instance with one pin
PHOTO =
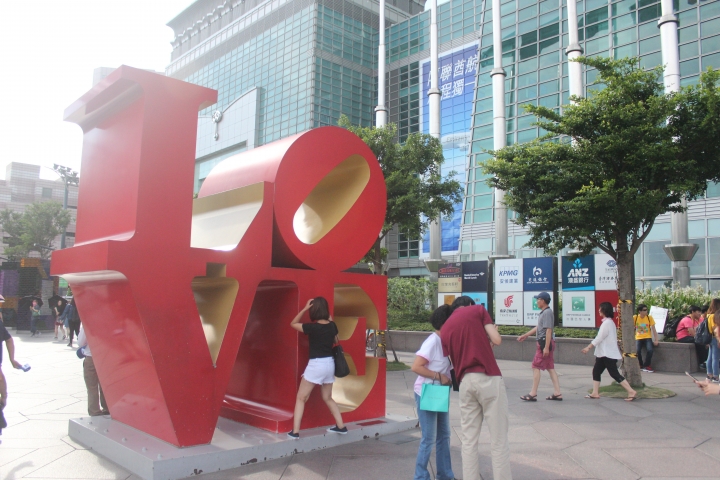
(322, 334)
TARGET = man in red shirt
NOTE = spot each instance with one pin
(467, 338)
(685, 333)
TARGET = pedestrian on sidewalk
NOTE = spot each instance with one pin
(713, 361)
(545, 350)
(685, 333)
(72, 316)
(607, 354)
(58, 309)
(34, 317)
(10, 345)
(96, 398)
(431, 365)
(482, 390)
(645, 336)
(322, 334)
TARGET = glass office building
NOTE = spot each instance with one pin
(300, 64)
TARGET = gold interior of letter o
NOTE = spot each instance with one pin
(331, 199)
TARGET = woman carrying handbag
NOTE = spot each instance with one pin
(320, 370)
(433, 369)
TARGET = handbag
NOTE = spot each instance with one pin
(702, 334)
(541, 342)
(342, 369)
(435, 398)
(453, 377)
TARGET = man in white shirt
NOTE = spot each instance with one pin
(96, 399)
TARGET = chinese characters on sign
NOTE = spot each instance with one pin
(452, 75)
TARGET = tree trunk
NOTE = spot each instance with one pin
(626, 290)
(377, 257)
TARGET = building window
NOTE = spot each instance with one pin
(47, 192)
(408, 248)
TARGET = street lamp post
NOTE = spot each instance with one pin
(70, 177)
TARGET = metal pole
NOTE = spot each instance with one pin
(573, 51)
(434, 99)
(65, 204)
(380, 110)
(499, 129)
(680, 251)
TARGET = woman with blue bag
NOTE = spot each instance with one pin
(432, 393)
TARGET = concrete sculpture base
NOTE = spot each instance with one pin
(233, 445)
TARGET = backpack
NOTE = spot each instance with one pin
(671, 326)
(702, 334)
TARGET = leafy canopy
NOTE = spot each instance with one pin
(416, 191)
(38, 225)
(628, 153)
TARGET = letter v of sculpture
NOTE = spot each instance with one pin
(187, 303)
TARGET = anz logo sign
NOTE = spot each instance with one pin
(578, 271)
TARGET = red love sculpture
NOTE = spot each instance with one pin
(187, 303)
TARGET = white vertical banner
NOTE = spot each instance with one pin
(531, 311)
(605, 272)
(509, 275)
(578, 309)
(509, 308)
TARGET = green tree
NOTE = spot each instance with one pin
(416, 190)
(618, 159)
(38, 225)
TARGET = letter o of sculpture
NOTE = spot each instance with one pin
(325, 198)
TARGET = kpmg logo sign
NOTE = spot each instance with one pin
(579, 273)
(509, 275)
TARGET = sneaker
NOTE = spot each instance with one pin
(643, 369)
(293, 435)
(715, 380)
(649, 370)
(335, 429)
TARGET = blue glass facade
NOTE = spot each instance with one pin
(314, 60)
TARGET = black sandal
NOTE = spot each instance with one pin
(555, 397)
(529, 398)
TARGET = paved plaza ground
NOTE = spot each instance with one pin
(577, 438)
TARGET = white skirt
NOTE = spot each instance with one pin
(320, 370)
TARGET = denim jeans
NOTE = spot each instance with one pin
(713, 358)
(33, 323)
(435, 428)
(648, 344)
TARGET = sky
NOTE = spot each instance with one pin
(48, 51)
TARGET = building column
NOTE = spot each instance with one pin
(680, 251)
(434, 100)
(381, 111)
(499, 130)
(574, 50)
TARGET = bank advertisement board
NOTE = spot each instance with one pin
(450, 277)
(480, 298)
(538, 274)
(531, 309)
(447, 298)
(578, 273)
(605, 272)
(509, 275)
(475, 276)
(579, 309)
(509, 308)
(610, 296)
